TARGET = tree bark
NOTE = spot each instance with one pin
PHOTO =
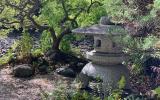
(57, 41)
(56, 44)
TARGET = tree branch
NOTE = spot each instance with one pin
(92, 3)
(5, 21)
(64, 8)
(8, 3)
(3, 27)
(1, 8)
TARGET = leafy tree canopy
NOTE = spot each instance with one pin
(57, 17)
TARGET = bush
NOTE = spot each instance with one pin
(138, 48)
(158, 91)
(37, 53)
(65, 92)
(25, 46)
(6, 58)
(9, 55)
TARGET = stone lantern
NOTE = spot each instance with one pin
(107, 57)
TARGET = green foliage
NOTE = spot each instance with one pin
(116, 93)
(63, 94)
(45, 41)
(93, 17)
(134, 97)
(120, 10)
(57, 15)
(156, 4)
(37, 52)
(65, 45)
(122, 82)
(25, 46)
(116, 9)
(6, 58)
(59, 93)
(79, 95)
(132, 44)
(149, 42)
(53, 13)
(137, 48)
(158, 91)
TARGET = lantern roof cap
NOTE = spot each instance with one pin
(105, 27)
(100, 29)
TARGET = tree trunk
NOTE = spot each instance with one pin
(55, 45)
(57, 40)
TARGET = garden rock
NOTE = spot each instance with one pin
(55, 56)
(77, 67)
(43, 69)
(23, 71)
(67, 72)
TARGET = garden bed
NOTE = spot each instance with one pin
(12, 88)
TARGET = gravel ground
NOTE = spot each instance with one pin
(5, 44)
(12, 88)
(85, 44)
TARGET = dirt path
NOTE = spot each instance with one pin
(12, 88)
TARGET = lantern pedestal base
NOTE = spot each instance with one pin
(110, 74)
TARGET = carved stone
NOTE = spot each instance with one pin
(107, 56)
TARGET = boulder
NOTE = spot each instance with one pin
(67, 72)
(23, 71)
(77, 66)
(43, 69)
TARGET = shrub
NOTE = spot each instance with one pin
(37, 53)
(138, 48)
(6, 58)
(65, 92)
(158, 91)
(25, 46)
(9, 55)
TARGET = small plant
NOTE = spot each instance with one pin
(65, 43)
(9, 55)
(83, 95)
(37, 53)
(116, 93)
(122, 83)
(61, 92)
(158, 91)
(6, 58)
(25, 46)
(65, 92)
(138, 48)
